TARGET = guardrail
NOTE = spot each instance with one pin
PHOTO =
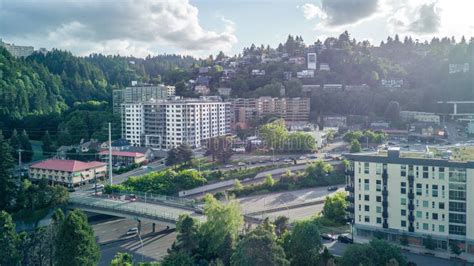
(121, 207)
(150, 197)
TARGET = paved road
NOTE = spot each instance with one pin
(112, 239)
(296, 214)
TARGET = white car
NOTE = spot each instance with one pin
(241, 164)
(132, 231)
(99, 186)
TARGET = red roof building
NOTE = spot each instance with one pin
(123, 158)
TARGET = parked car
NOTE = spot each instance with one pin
(345, 238)
(328, 236)
(313, 156)
(241, 164)
(228, 166)
(302, 158)
(131, 197)
(71, 189)
(99, 186)
(332, 188)
(287, 160)
(132, 231)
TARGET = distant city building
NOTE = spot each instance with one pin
(356, 87)
(67, 172)
(312, 61)
(166, 124)
(140, 93)
(291, 109)
(202, 89)
(17, 50)
(203, 80)
(395, 194)
(458, 68)
(324, 67)
(258, 72)
(224, 91)
(287, 75)
(335, 121)
(414, 116)
(123, 158)
(332, 86)
(392, 83)
(296, 60)
(307, 73)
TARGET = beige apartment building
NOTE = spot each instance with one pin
(414, 195)
(67, 172)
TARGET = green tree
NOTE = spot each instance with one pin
(269, 181)
(9, 241)
(222, 219)
(177, 258)
(122, 259)
(258, 248)
(454, 248)
(238, 185)
(7, 181)
(187, 239)
(318, 169)
(274, 134)
(27, 153)
(304, 243)
(48, 146)
(335, 207)
(75, 243)
(172, 157)
(355, 146)
(281, 225)
(377, 252)
(404, 240)
(185, 154)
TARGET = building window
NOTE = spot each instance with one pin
(434, 191)
(441, 173)
(441, 228)
(366, 168)
(367, 219)
(403, 170)
(378, 185)
(404, 224)
(441, 206)
(379, 199)
(366, 184)
(366, 208)
(419, 214)
(457, 206)
(434, 215)
(419, 189)
(457, 218)
(378, 209)
(425, 172)
(379, 220)
(457, 229)
(378, 168)
(426, 226)
(403, 212)
(403, 201)
(403, 187)
(366, 198)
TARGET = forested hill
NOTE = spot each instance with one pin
(52, 82)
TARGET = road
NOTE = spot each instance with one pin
(337, 248)
(112, 238)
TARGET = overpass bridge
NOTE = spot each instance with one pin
(153, 211)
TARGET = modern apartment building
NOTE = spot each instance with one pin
(412, 195)
(139, 94)
(290, 109)
(166, 124)
(411, 116)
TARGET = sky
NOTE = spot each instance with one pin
(203, 27)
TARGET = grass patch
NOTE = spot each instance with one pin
(328, 226)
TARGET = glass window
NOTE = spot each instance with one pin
(441, 206)
(366, 184)
(367, 219)
(366, 208)
(434, 216)
(366, 198)
(419, 189)
(457, 229)
(378, 185)
(419, 214)
(425, 204)
(379, 220)
(379, 209)
(366, 168)
(378, 168)
(441, 228)
(425, 226)
(441, 173)
(434, 191)
(403, 187)
(403, 201)
(403, 223)
(403, 170)
(379, 199)
(403, 212)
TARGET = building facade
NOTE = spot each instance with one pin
(411, 116)
(123, 158)
(412, 195)
(166, 124)
(139, 94)
(17, 50)
(67, 172)
(291, 109)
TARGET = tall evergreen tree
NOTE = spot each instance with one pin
(27, 153)
(15, 143)
(7, 181)
(48, 145)
(75, 243)
(9, 241)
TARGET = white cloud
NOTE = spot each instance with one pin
(311, 11)
(128, 27)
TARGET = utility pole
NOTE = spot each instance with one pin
(19, 163)
(110, 154)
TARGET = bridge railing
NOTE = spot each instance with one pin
(151, 197)
(121, 207)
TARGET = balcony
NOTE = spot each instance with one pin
(385, 204)
(385, 214)
(385, 225)
(385, 193)
(350, 209)
(411, 195)
(411, 218)
(411, 206)
(350, 199)
(410, 179)
(384, 174)
(350, 189)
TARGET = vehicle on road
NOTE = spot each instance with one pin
(345, 238)
(287, 160)
(332, 188)
(131, 197)
(71, 189)
(99, 186)
(132, 231)
(326, 236)
(313, 156)
(228, 166)
(241, 164)
(302, 158)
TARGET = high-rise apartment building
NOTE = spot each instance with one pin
(140, 93)
(311, 61)
(412, 195)
(290, 109)
(164, 124)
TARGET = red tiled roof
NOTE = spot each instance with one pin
(66, 165)
(123, 153)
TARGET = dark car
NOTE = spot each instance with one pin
(332, 188)
(345, 239)
(71, 189)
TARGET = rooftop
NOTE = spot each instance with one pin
(66, 165)
(123, 153)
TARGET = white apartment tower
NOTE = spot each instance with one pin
(311, 58)
(397, 194)
(166, 124)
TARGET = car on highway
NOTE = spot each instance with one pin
(228, 165)
(71, 189)
(287, 160)
(99, 186)
(332, 188)
(132, 231)
(240, 163)
(302, 158)
(313, 156)
(345, 238)
(326, 236)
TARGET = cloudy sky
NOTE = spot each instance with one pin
(202, 27)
